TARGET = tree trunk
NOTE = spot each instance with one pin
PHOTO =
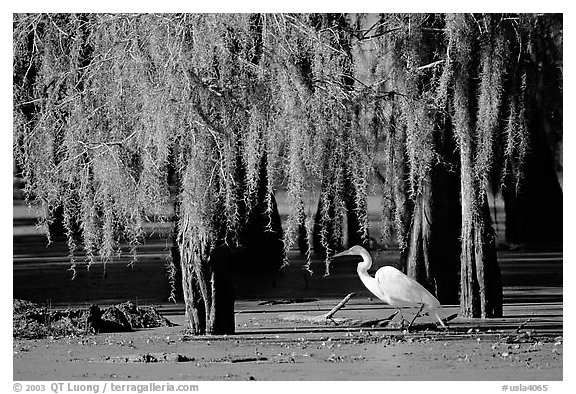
(175, 266)
(480, 279)
(206, 281)
(492, 268)
(433, 256)
(534, 212)
(434, 251)
(418, 260)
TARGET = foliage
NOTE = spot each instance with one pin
(102, 100)
(105, 103)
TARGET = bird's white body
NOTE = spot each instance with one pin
(396, 289)
(392, 286)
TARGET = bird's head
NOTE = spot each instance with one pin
(359, 251)
(355, 250)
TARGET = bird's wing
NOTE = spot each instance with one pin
(402, 290)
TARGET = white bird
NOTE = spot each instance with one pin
(392, 286)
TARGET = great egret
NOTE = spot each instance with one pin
(392, 286)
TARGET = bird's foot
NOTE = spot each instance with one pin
(404, 324)
(410, 326)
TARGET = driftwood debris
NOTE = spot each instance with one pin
(339, 306)
(329, 318)
(34, 321)
(151, 358)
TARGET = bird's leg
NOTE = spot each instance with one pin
(441, 322)
(416, 316)
(402, 320)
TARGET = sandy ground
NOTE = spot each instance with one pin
(268, 347)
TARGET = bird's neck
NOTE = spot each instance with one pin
(369, 281)
(366, 263)
(365, 277)
(363, 268)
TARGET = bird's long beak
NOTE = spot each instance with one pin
(344, 253)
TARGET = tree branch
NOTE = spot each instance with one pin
(379, 34)
(430, 65)
(339, 306)
(432, 30)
